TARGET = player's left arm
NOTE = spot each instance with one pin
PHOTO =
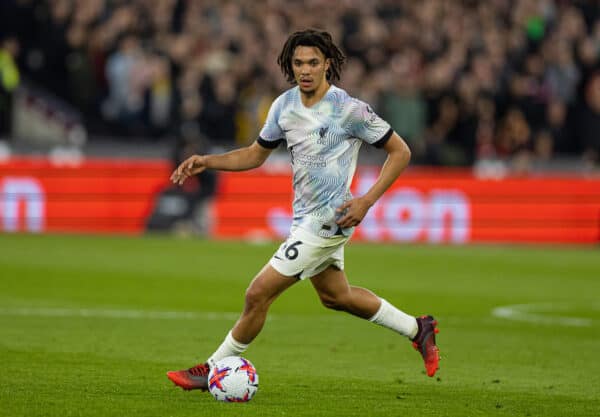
(397, 160)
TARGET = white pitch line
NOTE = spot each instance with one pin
(116, 314)
(533, 313)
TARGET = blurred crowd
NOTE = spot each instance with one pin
(460, 80)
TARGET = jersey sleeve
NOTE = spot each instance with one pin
(271, 134)
(367, 126)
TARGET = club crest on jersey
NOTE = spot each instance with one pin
(322, 132)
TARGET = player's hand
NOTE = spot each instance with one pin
(193, 165)
(354, 211)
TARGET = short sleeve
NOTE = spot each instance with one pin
(367, 126)
(271, 134)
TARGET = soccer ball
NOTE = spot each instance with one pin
(233, 379)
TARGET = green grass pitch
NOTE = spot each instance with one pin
(85, 330)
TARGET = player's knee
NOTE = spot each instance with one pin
(333, 302)
(255, 299)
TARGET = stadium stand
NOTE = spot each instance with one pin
(462, 81)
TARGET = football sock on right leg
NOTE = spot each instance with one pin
(392, 318)
(229, 347)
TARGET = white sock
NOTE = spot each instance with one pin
(392, 318)
(229, 347)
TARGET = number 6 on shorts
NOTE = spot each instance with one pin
(291, 252)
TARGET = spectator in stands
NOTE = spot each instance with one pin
(514, 134)
(435, 149)
(220, 108)
(82, 91)
(125, 98)
(9, 81)
(562, 75)
(401, 102)
(586, 121)
(159, 97)
(556, 126)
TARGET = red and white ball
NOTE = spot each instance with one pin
(233, 379)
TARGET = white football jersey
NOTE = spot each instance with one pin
(323, 141)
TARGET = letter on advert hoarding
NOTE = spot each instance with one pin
(405, 214)
(25, 190)
(450, 206)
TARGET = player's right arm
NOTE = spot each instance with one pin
(242, 159)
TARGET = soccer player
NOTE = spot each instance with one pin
(323, 128)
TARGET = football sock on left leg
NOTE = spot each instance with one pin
(392, 318)
(229, 347)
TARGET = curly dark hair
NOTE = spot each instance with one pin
(318, 39)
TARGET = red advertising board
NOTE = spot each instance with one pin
(441, 205)
(101, 196)
(437, 206)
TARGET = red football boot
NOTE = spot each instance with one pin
(195, 377)
(424, 343)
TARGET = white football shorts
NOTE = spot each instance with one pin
(304, 255)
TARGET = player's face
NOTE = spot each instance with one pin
(310, 69)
